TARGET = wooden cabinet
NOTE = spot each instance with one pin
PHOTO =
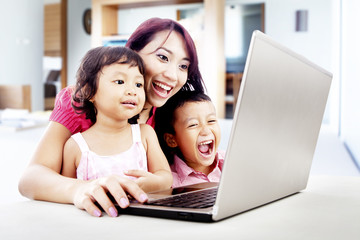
(52, 33)
(15, 96)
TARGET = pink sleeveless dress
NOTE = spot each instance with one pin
(93, 166)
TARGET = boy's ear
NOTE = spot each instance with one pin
(170, 140)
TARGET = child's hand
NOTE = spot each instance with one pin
(97, 190)
(148, 181)
(141, 176)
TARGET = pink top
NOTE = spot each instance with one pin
(64, 114)
(184, 175)
(93, 166)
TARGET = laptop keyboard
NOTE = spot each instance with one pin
(198, 199)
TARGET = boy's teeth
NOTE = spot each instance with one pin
(163, 86)
(204, 143)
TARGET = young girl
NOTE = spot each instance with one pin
(189, 135)
(110, 91)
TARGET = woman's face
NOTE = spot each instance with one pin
(167, 66)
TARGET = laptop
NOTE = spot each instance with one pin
(273, 137)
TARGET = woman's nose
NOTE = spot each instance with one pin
(171, 72)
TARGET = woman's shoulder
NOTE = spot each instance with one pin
(64, 114)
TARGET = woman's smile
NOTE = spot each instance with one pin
(161, 89)
(166, 59)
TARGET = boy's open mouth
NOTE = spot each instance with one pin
(206, 148)
(161, 89)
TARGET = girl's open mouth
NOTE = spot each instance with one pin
(130, 104)
(206, 148)
(161, 89)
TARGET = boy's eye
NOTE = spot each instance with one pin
(119, 81)
(192, 125)
(212, 121)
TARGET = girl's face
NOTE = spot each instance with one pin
(197, 134)
(120, 94)
(166, 65)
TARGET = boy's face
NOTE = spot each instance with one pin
(197, 134)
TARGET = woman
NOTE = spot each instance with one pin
(171, 63)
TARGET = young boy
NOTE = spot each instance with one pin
(189, 134)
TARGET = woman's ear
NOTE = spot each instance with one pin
(170, 140)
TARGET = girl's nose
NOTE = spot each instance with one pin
(131, 91)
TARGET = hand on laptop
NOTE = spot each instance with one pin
(99, 191)
(148, 181)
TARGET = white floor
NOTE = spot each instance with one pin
(16, 148)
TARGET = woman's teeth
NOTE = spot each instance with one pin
(163, 86)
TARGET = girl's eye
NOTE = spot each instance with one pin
(138, 85)
(119, 81)
(163, 57)
(212, 121)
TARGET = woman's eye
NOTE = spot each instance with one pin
(119, 81)
(163, 57)
(184, 67)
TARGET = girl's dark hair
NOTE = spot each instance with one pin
(145, 34)
(164, 118)
(88, 74)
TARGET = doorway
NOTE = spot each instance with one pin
(240, 22)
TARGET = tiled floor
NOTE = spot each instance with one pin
(330, 157)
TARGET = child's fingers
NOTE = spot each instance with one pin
(136, 173)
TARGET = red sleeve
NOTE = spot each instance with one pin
(64, 114)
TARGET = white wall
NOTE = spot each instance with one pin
(350, 89)
(78, 41)
(21, 46)
(319, 44)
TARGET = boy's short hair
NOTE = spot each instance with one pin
(164, 117)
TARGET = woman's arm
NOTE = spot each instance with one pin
(42, 180)
(159, 176)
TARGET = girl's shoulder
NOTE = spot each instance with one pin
(147, 133)
(145, 128)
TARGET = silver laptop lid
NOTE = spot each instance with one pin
(275, 129)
